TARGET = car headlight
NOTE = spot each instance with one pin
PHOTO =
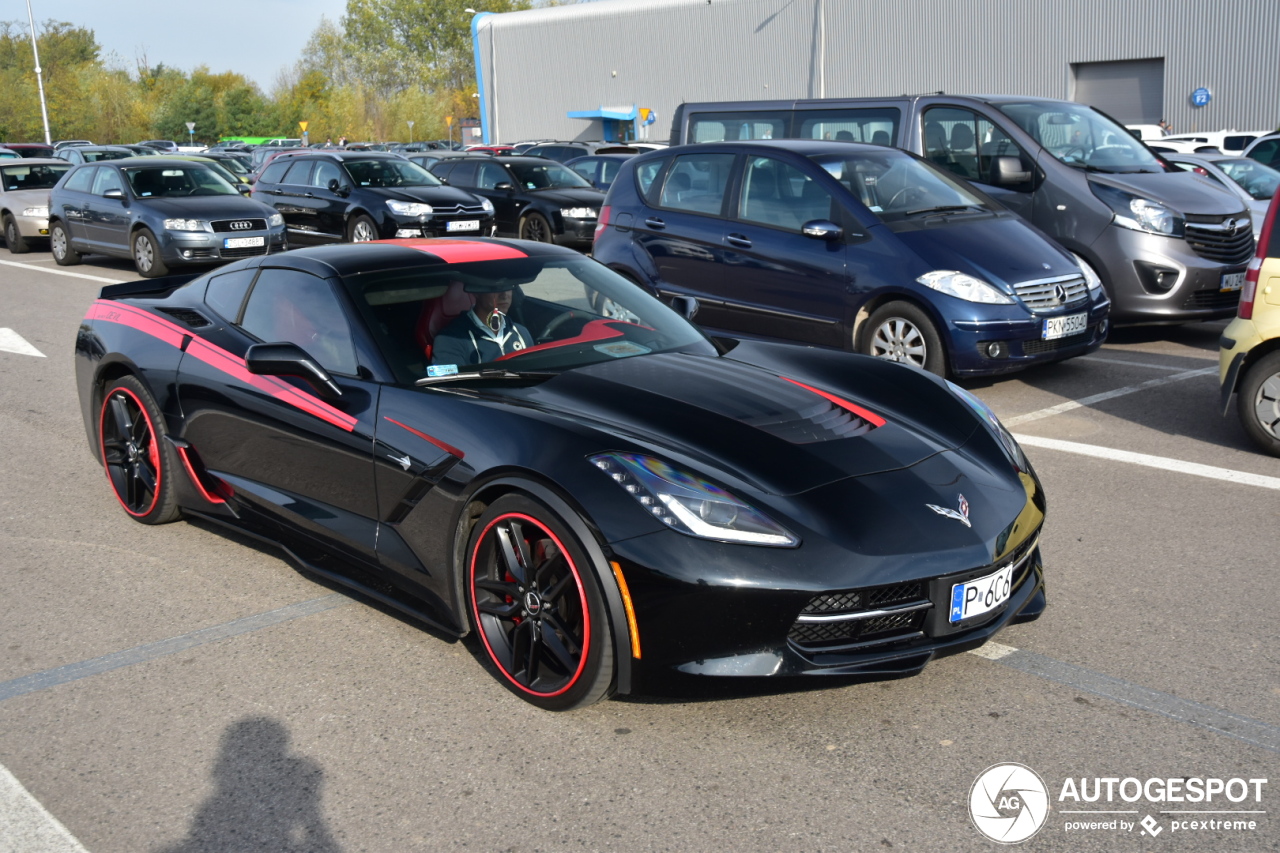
(964, 287)
(1090, 277)
(579, 212)
(409, 208)
(487, 205)
(987, 414)
(36, 211)
(275, 220)
(689, 504)
(186, 225)
(1139, 214)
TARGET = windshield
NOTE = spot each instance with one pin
(543, 176)
(32, 177)
(520, 314)
(1257, 179)
(232, 164)
(1081, 136)
(896, 186)
(390, 173)
(174, 181)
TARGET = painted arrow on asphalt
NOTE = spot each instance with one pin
(11, 341)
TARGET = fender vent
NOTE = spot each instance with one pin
(194, 319)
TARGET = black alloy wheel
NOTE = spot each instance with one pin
(60, 245)
(137, 462)
(13, 238)
(1259, 403)
(536, 227)
(146, 255)
(901, 332)
(537, 607)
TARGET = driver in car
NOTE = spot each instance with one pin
(482, 334)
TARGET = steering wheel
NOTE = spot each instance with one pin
(904, 194)
(1072, 151)
(555, 323)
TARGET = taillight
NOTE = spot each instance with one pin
(601, 223)
(1250, 290)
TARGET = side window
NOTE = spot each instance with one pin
(441, 168)
(609, 171)
(326, 172)
(951, 140)
(491, 174)
(106, 179)
(778, 194)
(732, 127)
(1267, 152)
(293, 306)
(587, 169)
(225, 293)
(696, 182)
(299, 173)
(463, 175)
(81, 181)
(877, 125)
(645, 175)
(273, 173)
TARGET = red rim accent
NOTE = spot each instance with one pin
(867, 415)
(582, 597)
(447, 448)
(153, 451)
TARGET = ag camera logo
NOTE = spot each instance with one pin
(1008, 803)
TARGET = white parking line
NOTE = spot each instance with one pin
(1106, 395)
(62, 272)
(26, 826)
(11, 341)
(1162, 462)
(1169, 367)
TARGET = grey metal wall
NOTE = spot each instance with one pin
(540, 64)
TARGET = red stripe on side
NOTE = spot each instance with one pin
(447, 448)
(135, 318)
(866, 415)
(459, 251)
(195, 478)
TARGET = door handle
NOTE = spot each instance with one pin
(738, 241)
(655, 223)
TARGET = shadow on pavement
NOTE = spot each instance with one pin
(266, 798)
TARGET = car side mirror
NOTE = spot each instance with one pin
(119, 194)
(1008, 171)
(245, 189)
(822, 229)
(685, 306)
(284, 359)
(335, 186)
(505, 186)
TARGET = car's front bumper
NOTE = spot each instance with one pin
(201, 247)
(1237, 340)
(576, 232)
(412, 226)
(32, 227)
(971, 340)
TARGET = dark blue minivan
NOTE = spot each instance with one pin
(841, 244)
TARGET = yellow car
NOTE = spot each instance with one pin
(1249, 352)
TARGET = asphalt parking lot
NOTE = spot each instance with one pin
(177, 688)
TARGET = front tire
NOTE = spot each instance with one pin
(13, 238)
(138, 461)
(146, 255)
(535, 227)
(361, 230)
(902, 332)
(60, 245)
(1259, 403)
(537, 607)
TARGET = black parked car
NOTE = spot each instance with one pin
(533, 198)
(367, 195)
(160, 212)
(618, 504)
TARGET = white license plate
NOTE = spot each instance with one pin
(975, 597)
(243, 242)
(1061, 327)
(464, 225)
(1232, 281)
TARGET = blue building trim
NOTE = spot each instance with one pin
(475, 47)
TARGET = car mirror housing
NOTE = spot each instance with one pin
(114, 194)
(1008, 171)
(822, 229)
(505, 186)
(336, 187)
(285, 359)
(685, 306)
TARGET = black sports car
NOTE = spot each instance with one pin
(609, 498)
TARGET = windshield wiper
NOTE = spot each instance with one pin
(486, 373)
(945, 208)
(1086, 167)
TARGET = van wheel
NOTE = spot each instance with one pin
(901, 332)
(1259, 403)
(60, 245)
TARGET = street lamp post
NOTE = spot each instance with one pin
(35, 52)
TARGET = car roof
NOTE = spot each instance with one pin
(36, 161)
(803, 147)
(344, 259)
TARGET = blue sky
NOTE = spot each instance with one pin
(256, 38)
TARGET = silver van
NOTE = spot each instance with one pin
(1170, 246)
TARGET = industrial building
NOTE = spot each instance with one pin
(616, 69)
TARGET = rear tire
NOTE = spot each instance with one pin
(537, 607)
(1259, 403)
(13, 238)
(139, 463)
(902, 332)
(146, 255)
(60, 245)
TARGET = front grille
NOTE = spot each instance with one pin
(244, 252)
(1217, 243)
(1212, 300)
(869, 629)
(1037, 347)
(1048, 293)
(223, 226)
(458, 210)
